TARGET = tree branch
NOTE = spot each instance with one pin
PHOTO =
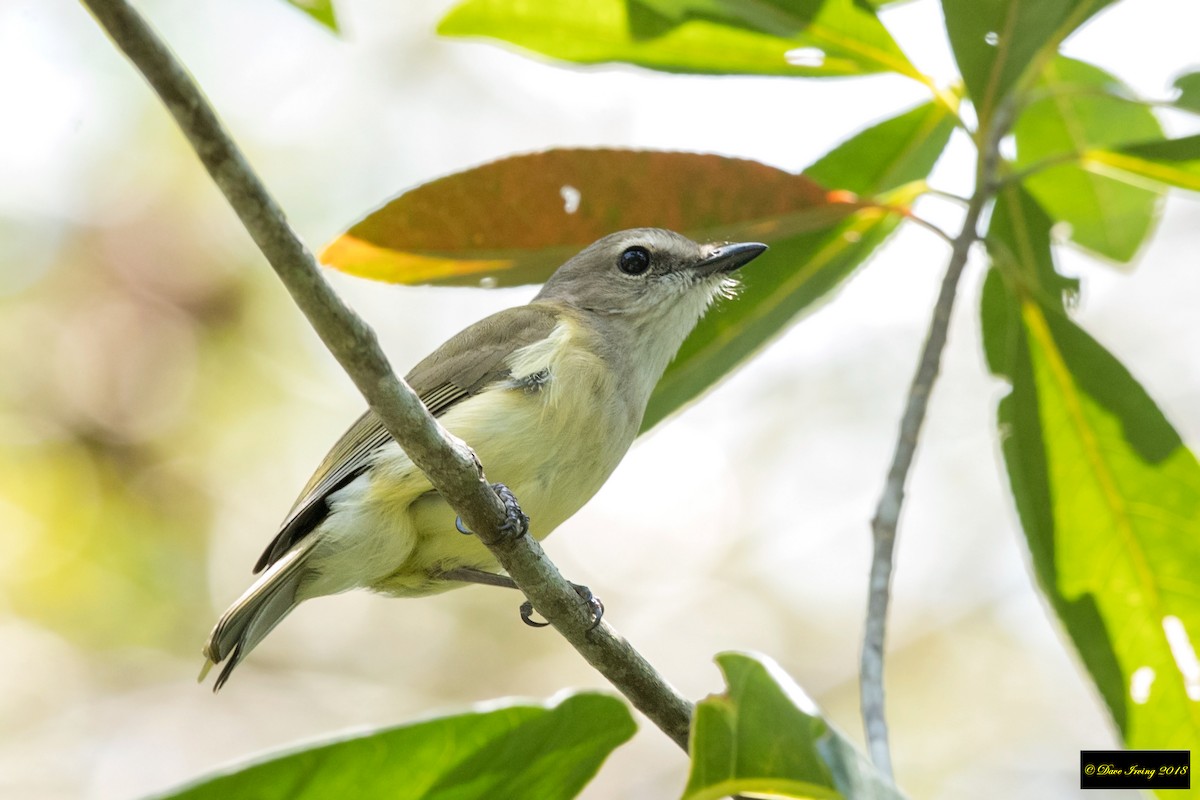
(887, 513)
(448, 462)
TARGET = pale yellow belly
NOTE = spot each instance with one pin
(552, 450)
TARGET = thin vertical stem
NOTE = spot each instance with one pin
(887, 513)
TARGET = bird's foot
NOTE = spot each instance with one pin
(516, 523)
(593, 603)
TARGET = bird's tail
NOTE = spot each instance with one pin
(256, 613)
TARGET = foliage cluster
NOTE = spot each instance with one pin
(1107, 494)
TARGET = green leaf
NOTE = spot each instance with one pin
(320, 10)
(888, 155)
(1108, 216)
(1025, 459)
(1171, 162)
(829, 37)
(1018, 242)
(1109, 499)
(545, 751)
(1189, 91)
(765, 736)
(803, 267)
(997, 42)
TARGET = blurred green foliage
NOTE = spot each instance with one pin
(128, 362)
(1076, 107)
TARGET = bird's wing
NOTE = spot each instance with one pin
(465, 365)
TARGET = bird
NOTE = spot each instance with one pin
(550, 395)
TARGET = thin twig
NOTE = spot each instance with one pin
(450, 465)
(905, 211)
(929, 226)
(887, 513)
(944, 195)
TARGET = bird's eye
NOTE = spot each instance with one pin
(634, 260)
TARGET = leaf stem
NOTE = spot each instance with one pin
(929, 226)
(450, 465)
(946, 98)
(887, 513)
(945, 195)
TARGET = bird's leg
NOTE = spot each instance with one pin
(515, 521)
(480, 576)
(485, 578)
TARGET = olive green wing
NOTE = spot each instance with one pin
(465, 365)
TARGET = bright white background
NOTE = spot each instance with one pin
(740, 524)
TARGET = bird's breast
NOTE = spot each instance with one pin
(554, 430)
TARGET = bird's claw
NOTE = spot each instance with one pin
(527, 616)
(585, 594)
(593, 603)
(516, 522)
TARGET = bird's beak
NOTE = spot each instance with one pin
(728, 257)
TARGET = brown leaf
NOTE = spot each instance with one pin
(515, 220)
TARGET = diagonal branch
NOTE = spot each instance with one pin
(448, 462)
(887, 513)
